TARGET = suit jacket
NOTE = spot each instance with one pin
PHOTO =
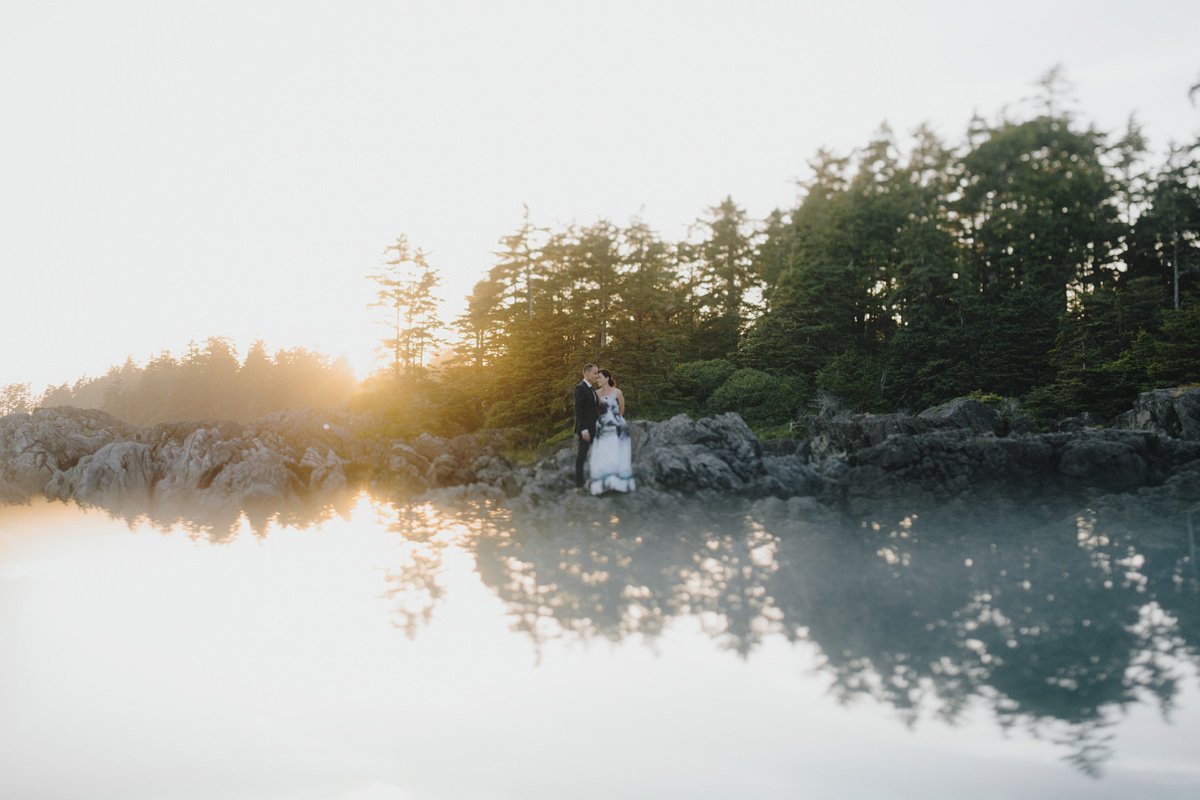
(587, 409)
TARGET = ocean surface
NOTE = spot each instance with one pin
(379, 650)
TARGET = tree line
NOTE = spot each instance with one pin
(209, 381)
(1036, 258)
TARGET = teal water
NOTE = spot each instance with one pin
(381, 651)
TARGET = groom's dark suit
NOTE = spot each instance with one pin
(587, 412)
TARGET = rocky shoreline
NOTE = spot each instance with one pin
(960, 452)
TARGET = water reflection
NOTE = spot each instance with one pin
(414, 585)
(1056, 622)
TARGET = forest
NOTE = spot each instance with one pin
(1037, 259)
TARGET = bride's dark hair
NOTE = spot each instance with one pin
(608, 375)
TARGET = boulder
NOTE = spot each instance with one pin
(259, 476)
(1171, 412)
(965, 413)
(957, 452)
(443, 471)
(406, 466)
(1077, 423)
(326, 469)
(119, 475)
(943, 465)
(791, 477)
(34, 447)
(496, 471)
(1103, 463)
(686, 468)
(841, 434)
(719, 453)
(193, 464)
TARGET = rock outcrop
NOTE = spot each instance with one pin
(960, 450)
(1171, 412)
(933, 468)
(34, 447)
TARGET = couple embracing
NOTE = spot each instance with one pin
(603, 434)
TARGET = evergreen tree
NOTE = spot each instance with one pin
(406, 283)
(1038, 225)
(723, 279)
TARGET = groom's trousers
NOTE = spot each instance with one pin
(580, 459)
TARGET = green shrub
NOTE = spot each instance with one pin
(855, 378)
(987, 398)
(695, 381)
(761, 398)
(508, 414)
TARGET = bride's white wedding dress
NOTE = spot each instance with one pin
(611, 458)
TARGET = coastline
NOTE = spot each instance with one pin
(960, 452)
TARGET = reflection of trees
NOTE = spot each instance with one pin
(413, 586)
(1055, 624)
(1029, 616)
(615, 577)
(220, 520)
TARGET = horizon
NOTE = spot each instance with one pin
(168, 178)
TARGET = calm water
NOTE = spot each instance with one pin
(751, 652)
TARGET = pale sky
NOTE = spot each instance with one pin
(173, 171)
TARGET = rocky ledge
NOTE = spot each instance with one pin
(960, 451)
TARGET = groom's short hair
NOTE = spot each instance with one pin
(589, 367)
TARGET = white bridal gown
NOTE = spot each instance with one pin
(611, 458)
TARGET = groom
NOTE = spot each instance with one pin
(587, 412)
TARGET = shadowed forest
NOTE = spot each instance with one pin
(1036, 258)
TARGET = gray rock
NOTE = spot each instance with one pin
(496, 471)
(952, 453)
(1104, 463)
(687, 468)
(119, 475)
(443, 471)
(842, 434)
(326, 469)
(1077, 423)
(259, 476)
(845, 433)
(964, 412)
(187, 467)
(940, 466)
(1172, 412)
(33, 447)
(794, 475)
(715, 453)
(407, 467)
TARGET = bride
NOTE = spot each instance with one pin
(611, 460)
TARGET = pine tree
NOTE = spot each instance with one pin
(406, 283)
